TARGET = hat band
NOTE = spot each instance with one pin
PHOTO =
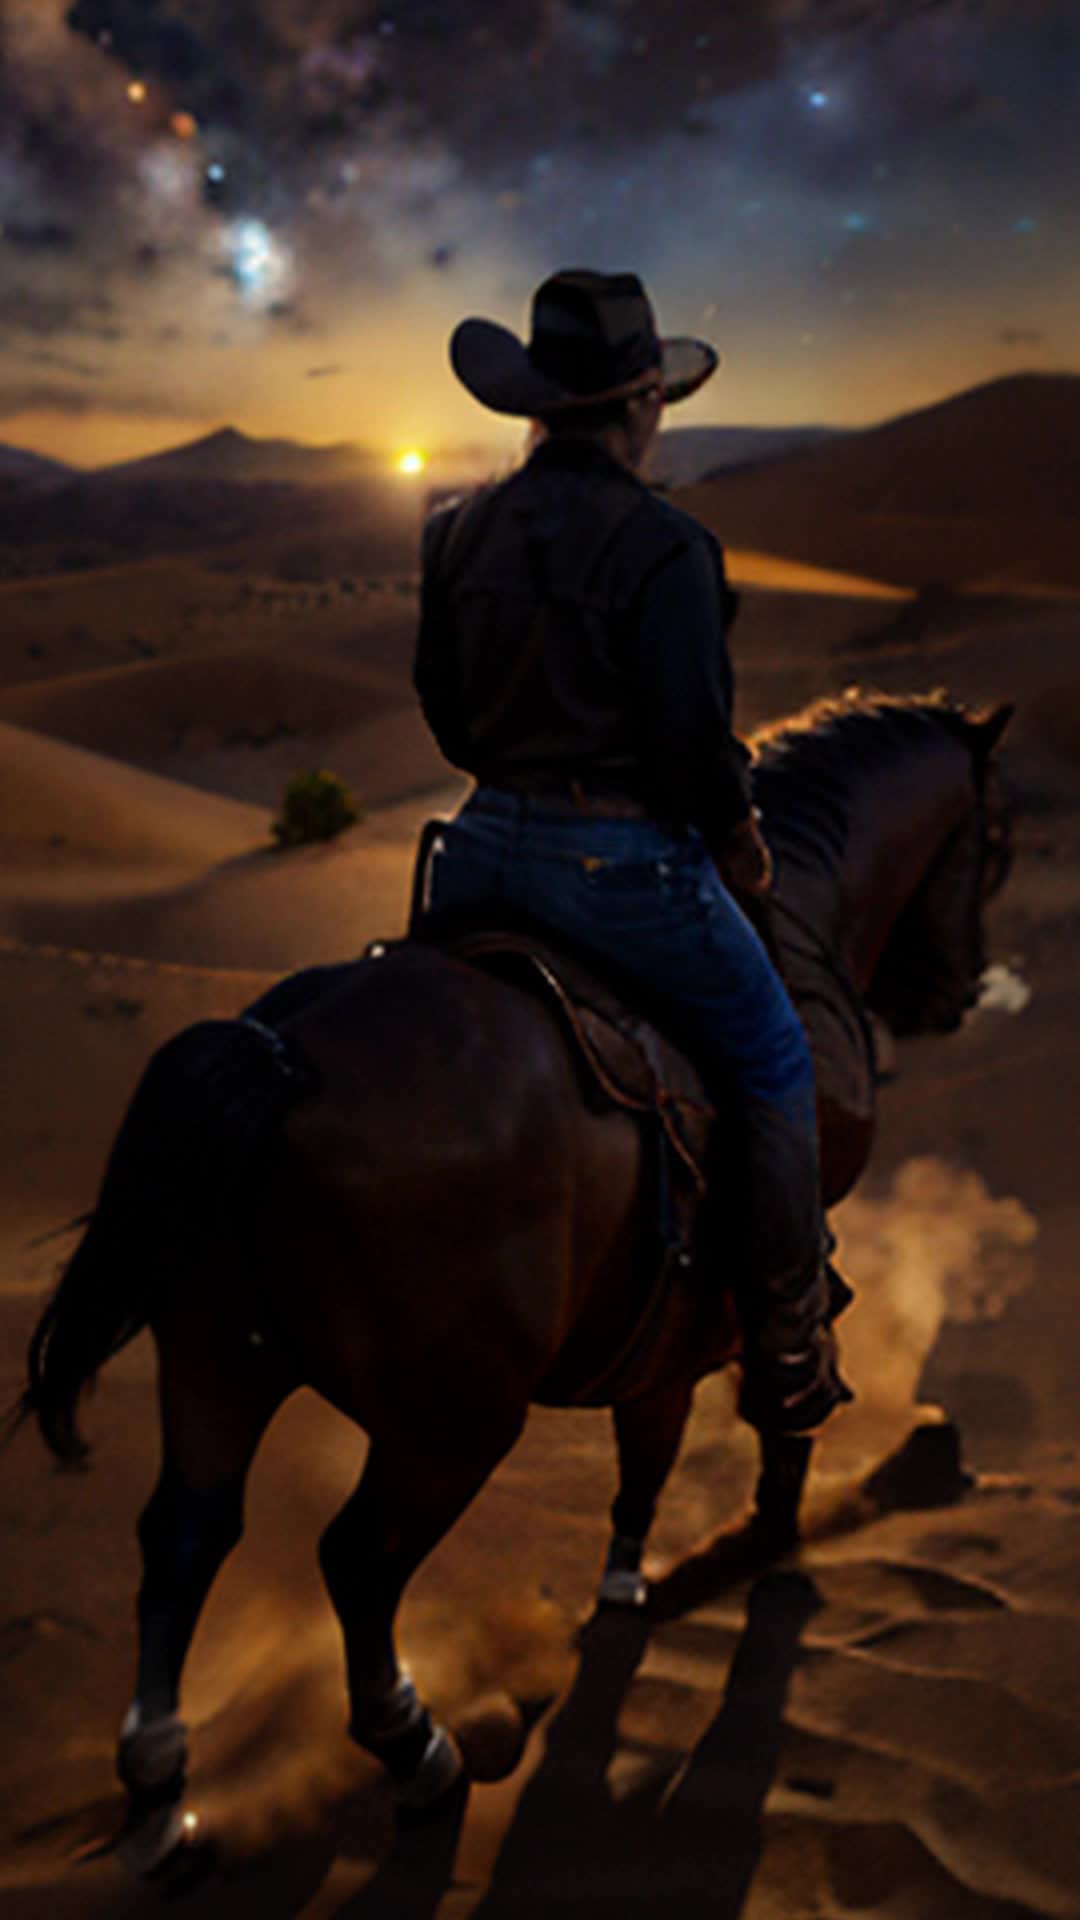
(640, 383)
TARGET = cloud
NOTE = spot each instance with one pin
(1021, 336)
(60, 362)
(37, 237)
(65, 308)
(137, 401)
(324, 373)
(43, 396)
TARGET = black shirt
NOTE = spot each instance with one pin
(572, 627)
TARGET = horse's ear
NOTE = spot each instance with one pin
(989, 727)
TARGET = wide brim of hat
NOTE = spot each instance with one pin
(495, 367)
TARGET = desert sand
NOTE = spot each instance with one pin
(888, 1724)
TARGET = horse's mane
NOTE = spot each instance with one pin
(806, 765)
(853, 723)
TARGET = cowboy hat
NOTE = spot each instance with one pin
(593, 339)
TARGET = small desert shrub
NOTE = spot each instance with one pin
(316, 807)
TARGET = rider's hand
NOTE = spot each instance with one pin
(744, 860)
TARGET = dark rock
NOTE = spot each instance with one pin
(926, 1470)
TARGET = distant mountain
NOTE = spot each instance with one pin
(17, 465)
(233, 456)
(685, 455)
(983, 486)
(343, 522)
(310, 511)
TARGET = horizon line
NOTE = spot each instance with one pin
(499, 442)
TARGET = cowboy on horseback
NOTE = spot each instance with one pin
(572, 658)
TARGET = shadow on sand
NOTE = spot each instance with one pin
(683, 1834)
(687, 1839)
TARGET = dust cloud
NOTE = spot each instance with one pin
(937, 1247)
(267, 1718)
(267, 1706)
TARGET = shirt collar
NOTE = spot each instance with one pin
(566, 453)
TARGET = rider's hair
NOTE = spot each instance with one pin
(574, 421)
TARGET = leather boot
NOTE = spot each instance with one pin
(791, 1382)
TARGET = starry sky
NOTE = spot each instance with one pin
(272, 212)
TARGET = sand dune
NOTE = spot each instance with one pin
(266, 910)
(78, 622)
(777, 575)
(91, 519)
(86, 1026)
(116, 616)
(984, 486)
(1054, 715)
(791, 513)
(159, 710)
(60, 799)
(390, 758)
(263, 910)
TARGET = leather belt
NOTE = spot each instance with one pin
(575, 801)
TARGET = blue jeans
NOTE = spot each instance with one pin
(651, 900)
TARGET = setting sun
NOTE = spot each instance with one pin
(412, 462)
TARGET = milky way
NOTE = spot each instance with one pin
(203, 203)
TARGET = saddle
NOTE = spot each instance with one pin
(624, 1060)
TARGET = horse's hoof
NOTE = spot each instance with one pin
(438, 1787)
(169, 1850)
(491, 1733)
(623, 1587)
(622, 1583)
(187, 1868)
(447, 1809)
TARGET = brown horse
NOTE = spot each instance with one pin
(386, 1185)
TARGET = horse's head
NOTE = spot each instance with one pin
(930, 971)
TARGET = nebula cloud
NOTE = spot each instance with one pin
(851, 172)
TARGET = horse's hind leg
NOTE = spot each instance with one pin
(785, 1462)
(216, 1402)
(648, 1432)
(407, 1499)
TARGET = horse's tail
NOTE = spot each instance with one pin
(182, 1165)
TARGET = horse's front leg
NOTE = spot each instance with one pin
(648, 1433)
